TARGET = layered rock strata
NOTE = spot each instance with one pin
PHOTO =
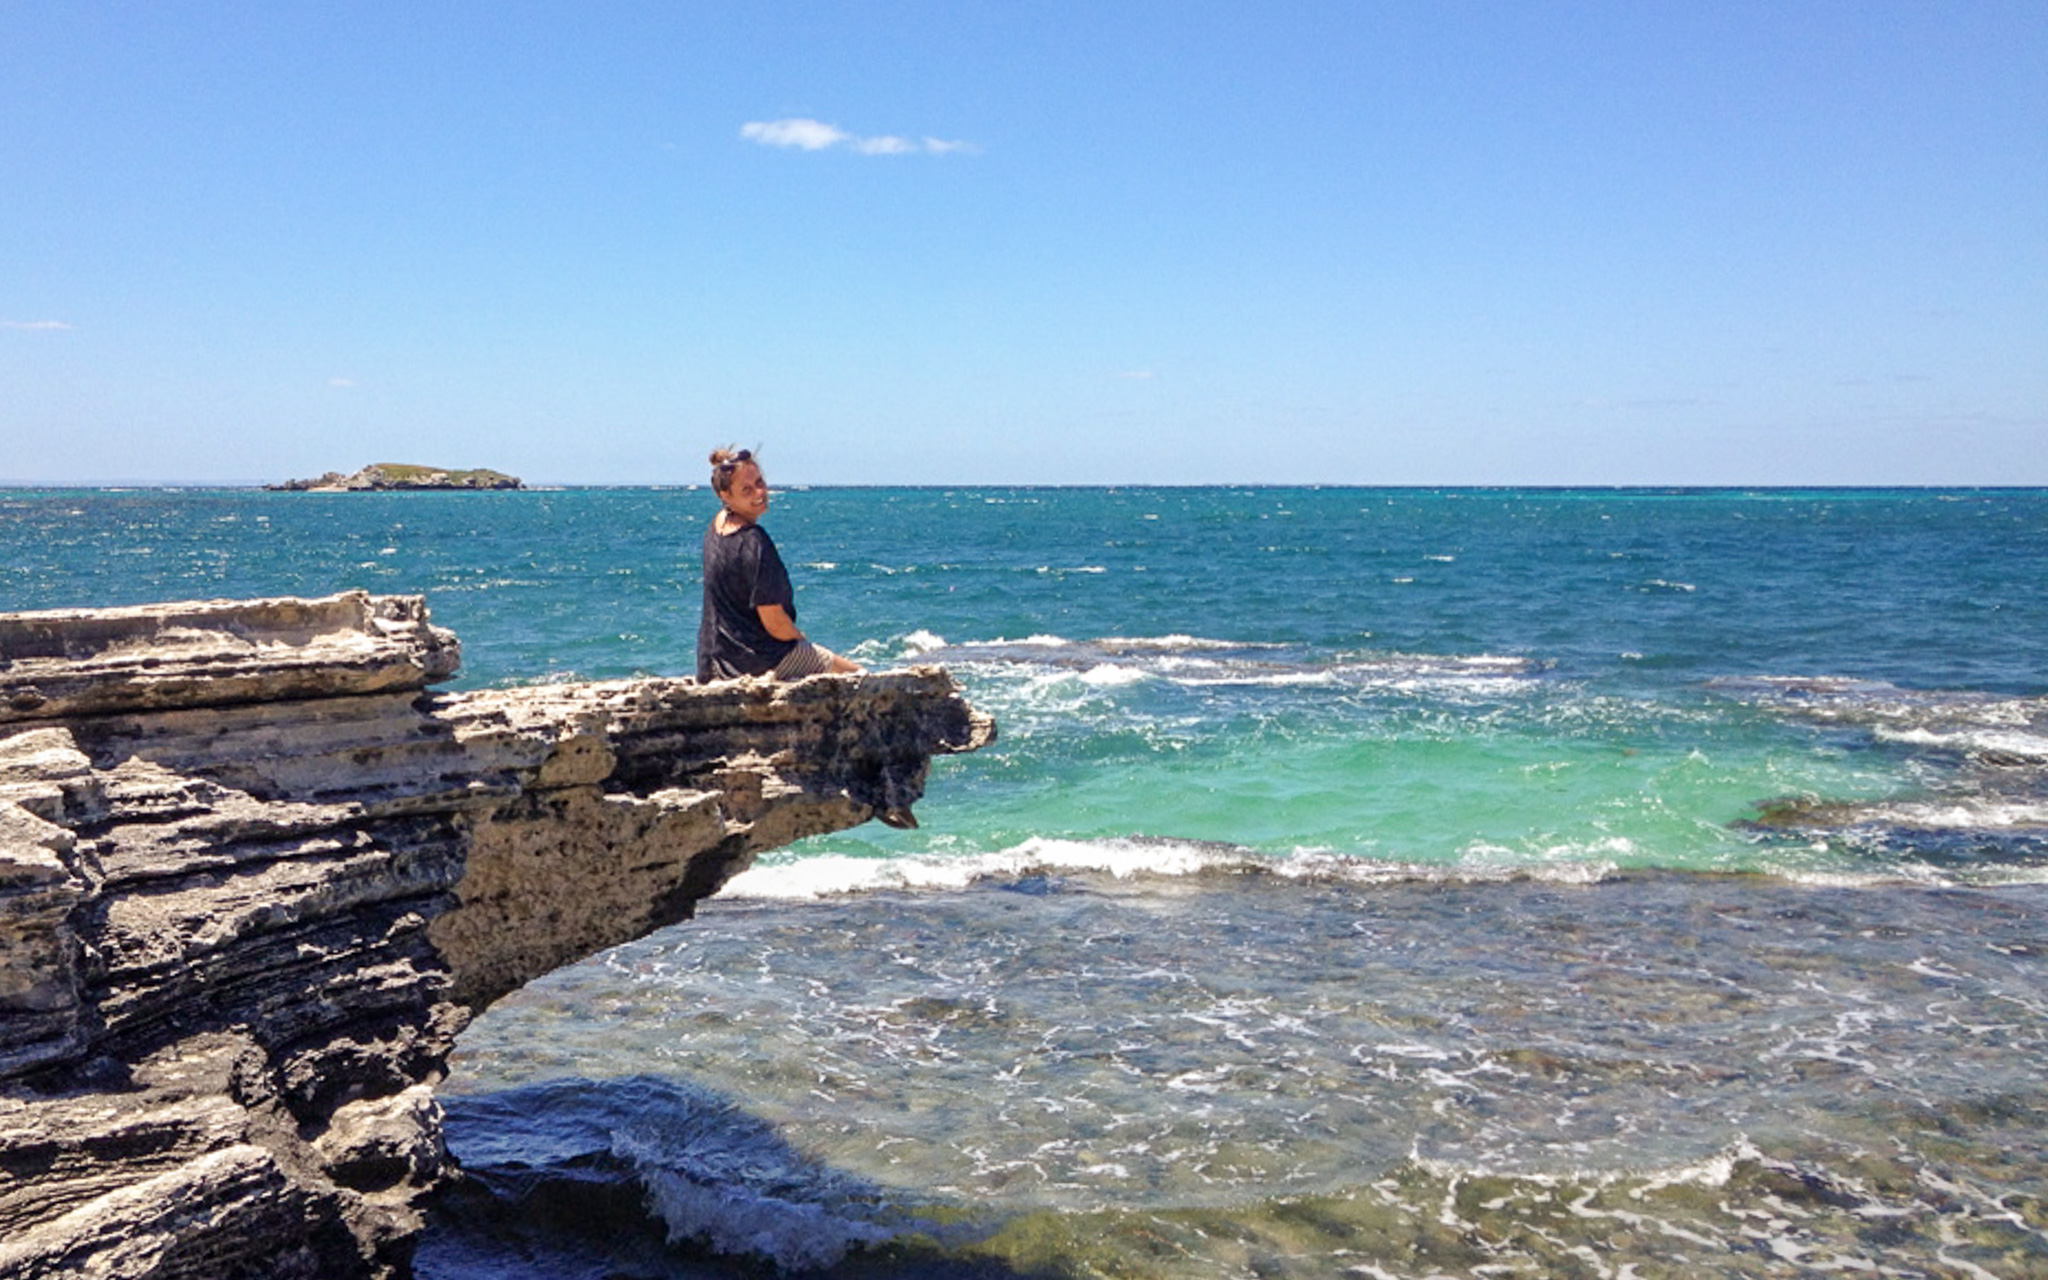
(254, 878)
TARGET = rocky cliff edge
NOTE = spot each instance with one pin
(254, 878)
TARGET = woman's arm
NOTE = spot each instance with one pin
(778, 622)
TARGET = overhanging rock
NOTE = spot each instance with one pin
(254, 878)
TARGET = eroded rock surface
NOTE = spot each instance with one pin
(254, 878)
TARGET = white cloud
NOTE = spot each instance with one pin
(34, 324)
(884, 146)
(815, 135)
(805, 135)
(343, 383)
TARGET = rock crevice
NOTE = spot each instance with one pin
(255, 876)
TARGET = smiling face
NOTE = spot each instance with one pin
(747, 497)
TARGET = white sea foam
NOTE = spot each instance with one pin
(1205, 662)
(2030, 747)
(1712, 1172)
(831, 875)
(1180, 643)
(733, 1220)
(1213, 675)
(1577, 862)
(1897, 711)
(1108, 675)
(1977, 814)
(742, 1195)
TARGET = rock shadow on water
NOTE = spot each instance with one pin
(645, 1177)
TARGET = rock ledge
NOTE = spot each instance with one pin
(254, 878)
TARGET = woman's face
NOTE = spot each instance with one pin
(748, 496)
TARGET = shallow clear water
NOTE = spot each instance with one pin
(1109, 1077)
(1386, 882)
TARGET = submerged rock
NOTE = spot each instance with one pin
(254, 878)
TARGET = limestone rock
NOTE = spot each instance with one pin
(255, 876)
(74, 662)
(385, 476)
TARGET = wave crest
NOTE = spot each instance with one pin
(1129, 858)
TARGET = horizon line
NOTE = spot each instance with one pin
(265, 486)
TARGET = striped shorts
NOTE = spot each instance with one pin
(806, 659)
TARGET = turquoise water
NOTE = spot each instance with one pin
(1457, 676)
(1388, 882)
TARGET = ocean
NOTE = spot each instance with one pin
(1366, 882)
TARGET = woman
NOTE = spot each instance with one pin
(749, 623)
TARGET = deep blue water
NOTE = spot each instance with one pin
(1924, 588)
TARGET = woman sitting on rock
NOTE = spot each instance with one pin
(749, 622)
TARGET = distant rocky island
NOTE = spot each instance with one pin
(385, 476)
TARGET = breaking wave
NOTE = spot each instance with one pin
(1196, 661)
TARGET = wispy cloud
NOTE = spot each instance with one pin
(342, 384)
(802, 134)
(45, 325)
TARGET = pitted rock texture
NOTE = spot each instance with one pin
(255, 877)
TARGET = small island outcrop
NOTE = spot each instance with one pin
(255, 876)
(381, 477)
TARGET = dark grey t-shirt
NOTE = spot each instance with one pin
(742, 571)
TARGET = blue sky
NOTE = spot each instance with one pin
(1123, 242)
